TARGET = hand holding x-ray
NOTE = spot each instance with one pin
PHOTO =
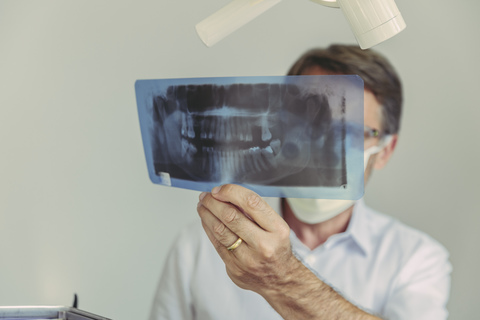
(231, 212)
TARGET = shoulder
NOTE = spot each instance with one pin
(387, 230)
(409, 253)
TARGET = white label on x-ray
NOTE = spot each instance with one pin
(165, 178)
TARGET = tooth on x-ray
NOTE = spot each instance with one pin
(246, 110)
(287, 134)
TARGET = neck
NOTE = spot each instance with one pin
(313, 235)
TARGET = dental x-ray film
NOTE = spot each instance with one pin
(280, 136)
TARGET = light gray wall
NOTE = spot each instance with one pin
(77, 210)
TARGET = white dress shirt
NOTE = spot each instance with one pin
(378, 264)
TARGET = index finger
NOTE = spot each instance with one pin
(252, 204)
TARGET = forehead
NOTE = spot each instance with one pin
(371, 107)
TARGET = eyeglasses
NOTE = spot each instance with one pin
(370, 132)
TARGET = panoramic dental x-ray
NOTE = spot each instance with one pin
(283, 136)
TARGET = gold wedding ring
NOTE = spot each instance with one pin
(235, 244)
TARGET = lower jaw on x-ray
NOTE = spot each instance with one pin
(297, 136)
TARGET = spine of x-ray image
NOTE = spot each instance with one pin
(230, 18)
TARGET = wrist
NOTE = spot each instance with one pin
(289, 282)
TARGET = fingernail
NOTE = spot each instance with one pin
(202, 195)
(216, 190)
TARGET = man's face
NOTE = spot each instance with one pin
(372, 119)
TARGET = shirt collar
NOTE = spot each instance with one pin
(357, 230)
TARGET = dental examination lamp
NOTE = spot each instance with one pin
(372, 21)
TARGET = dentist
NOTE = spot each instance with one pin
(310, 258)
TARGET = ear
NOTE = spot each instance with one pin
(383, 156)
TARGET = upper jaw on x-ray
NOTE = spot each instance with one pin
(277, 135)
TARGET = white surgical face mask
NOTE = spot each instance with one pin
(314, 211)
